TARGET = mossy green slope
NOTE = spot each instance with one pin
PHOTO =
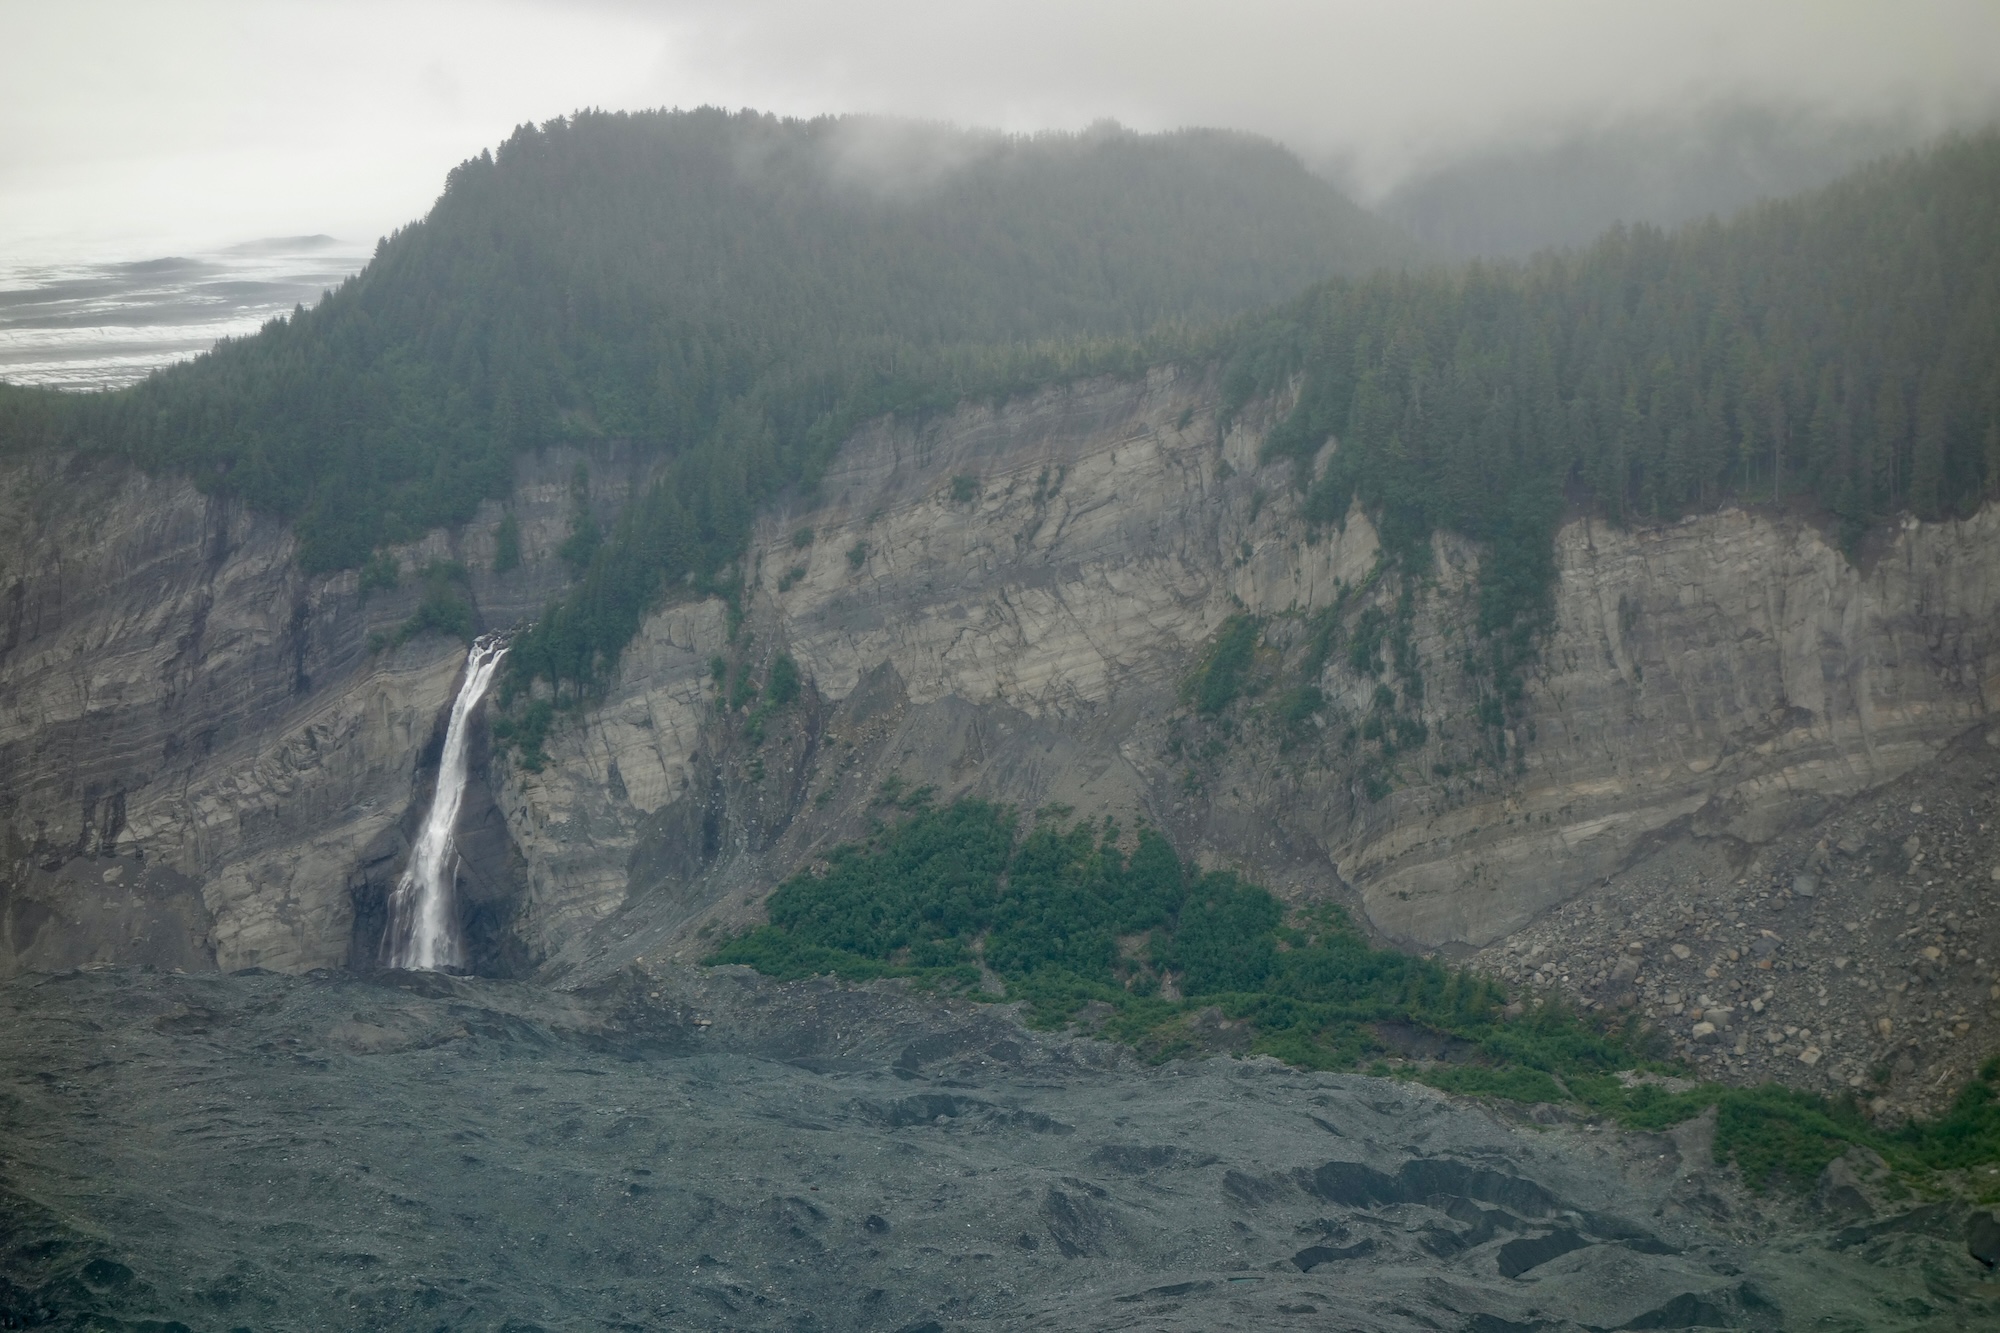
(955, 896)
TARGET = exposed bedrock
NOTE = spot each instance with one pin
(1006, 601)
(181, 705)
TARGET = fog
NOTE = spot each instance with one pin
(130, 129)
(1513, 197)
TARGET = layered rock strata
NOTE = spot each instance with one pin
(179, 699)
(1006, 600)
(1009, 602)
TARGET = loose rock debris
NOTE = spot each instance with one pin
(1859, 955)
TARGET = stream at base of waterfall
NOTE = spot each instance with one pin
(423, 933)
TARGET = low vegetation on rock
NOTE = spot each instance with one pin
(1082, 924)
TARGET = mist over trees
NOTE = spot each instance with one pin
(1839, 351)
(1511, 200)
(726, 288)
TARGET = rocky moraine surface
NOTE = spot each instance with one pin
(1857, 954)
(710, 1150)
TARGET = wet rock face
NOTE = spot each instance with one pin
(176, 694)
(1726, 678)
(491, 873)
(712, 1150)
(1005, 601)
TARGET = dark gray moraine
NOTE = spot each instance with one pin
(718, 1151)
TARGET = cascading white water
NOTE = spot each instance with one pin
(423, 911)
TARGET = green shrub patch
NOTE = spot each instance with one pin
(1081, 922)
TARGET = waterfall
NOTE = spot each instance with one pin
(423, 911)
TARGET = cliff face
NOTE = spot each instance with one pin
(1730, 675)
(1006, 600)
(198, 750)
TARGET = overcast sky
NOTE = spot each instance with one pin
(134, 127)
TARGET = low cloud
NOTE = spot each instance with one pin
(127, 121)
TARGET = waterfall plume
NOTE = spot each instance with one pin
(424, 932)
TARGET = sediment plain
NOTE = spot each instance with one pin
(713, 1150)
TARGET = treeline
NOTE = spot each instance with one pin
(737, 293)
(960, 897)
(1838, 351)
(729, 285)
(34, 419)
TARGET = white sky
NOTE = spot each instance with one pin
(135, 127)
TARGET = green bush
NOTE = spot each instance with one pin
(1364, 643)
(445, 608)
(1066, 918)
(507, 545)
(1967, 1135)
(1225, 667)
(585, 533)
(380, 573)
(1297, 705)
(935, 876)
(1223, 938)
(1514, 1083)
(783, 684)
(781, 687)
(1777, 1134)
(527, 730)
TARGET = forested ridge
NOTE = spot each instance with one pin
(737, 292)
(733, 290)
(1838, 351)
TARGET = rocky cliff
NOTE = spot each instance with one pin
(1009, 601)
(205, 756)
(204, 761)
